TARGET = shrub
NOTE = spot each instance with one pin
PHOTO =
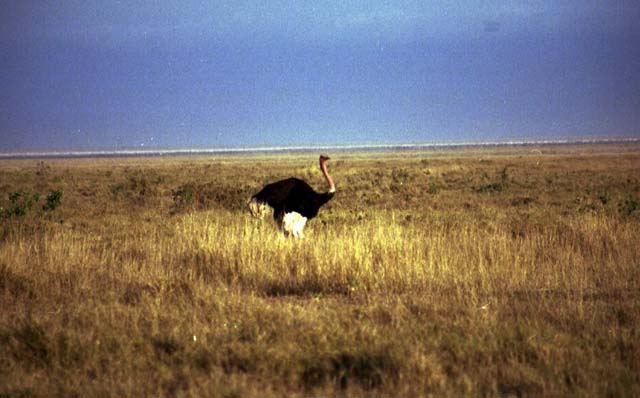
(629, 206)
(182, 198)
(604, 196)
(497, 186)
(21, 203)
(433, 188)
(53, 200)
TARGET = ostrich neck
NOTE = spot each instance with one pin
(332, 186)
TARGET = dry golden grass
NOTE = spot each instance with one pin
(477, 272)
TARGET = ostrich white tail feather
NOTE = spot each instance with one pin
(293, 224)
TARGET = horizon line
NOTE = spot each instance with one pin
(132, 152)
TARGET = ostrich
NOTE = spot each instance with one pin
(293, 201)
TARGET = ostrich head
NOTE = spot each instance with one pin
(323, 167)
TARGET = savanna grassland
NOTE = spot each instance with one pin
(493, 272)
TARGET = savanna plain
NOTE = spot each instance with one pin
(509, 271)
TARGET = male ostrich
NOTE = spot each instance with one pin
(293, 201)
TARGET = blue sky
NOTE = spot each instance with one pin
(119, 74)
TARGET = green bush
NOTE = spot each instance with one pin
(53, 200)
(20, 204)
(182, 198)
